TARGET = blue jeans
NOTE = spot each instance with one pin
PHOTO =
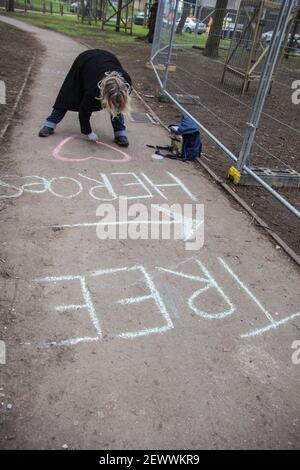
(118, 125)
(57, 115)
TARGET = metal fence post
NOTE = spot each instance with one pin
(165, 79)
(265, 81)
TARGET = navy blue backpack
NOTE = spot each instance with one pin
(191, 142)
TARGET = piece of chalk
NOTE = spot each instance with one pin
(155, 156)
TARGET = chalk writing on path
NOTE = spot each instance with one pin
(101, 188)
(209, 283)
(153, 295)
(146, 224)
(200, 283)
(273, 324)
(57, 152)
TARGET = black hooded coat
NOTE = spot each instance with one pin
(79, 91)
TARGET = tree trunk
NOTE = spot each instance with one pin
(82, 10)
(10, 5)
(152, 21)
(215, 33)
(184, 15)
(118, 22)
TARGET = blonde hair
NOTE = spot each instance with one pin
(114, 94)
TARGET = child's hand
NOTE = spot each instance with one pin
(93, 137)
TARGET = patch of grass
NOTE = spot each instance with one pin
(38, 5)
(70, 26)
(188, 40)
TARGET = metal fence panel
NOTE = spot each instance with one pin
(220, 92)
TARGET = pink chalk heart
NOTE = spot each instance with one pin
(57, 152)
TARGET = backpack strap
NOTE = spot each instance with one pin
(158, 149)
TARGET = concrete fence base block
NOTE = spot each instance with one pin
(276, 178)
(161, 67)
(182, 99)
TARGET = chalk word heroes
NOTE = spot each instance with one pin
(101, 188)
(203, 282)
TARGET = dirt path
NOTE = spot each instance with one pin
(17, 51)
(134, 344)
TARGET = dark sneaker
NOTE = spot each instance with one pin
(46, 131)
(122, 141)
